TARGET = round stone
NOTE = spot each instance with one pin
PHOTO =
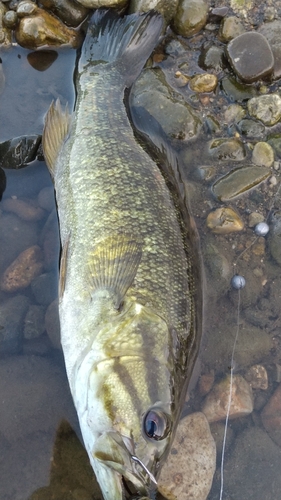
(250, 56)
(261, 229)
(238, 282)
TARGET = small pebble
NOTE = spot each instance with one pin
(261, 229)
(238, 282)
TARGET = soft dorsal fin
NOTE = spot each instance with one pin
(56, 128)
(114, 263)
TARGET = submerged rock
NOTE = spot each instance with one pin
(266, 108)
(40, 28)
(191, 17)
(95, 4)
(166, 7)
(5, 32)
(227, 149)
(250, 56)
(12, 313)
(237, 91)
(189, 468)
(212, 57)
(203, 83)
(224, 221)
(274, 239)
(42, 60)
(271, 416)
(34, 322)
(230, 28)
(17, 152)
(238, 181)
(251, 129)
(177, 118)
(26, 209)
(23, 270)
(263, 154)
(257, 377)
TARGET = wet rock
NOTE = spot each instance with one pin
(238, 181)
(34, 322)
(41, 28)
(189, 469)
(16, 236)
(203, 83)
(177, 118)
(212, 57)
(166, 7)
(253, 470)
(251, 129)
(46, 199)
(216, 14)
(5, 33)
(257, 377)
(23, 270)
(10, 19)
(45, 288)
(263, 154)
(237, 91)
(40, 396)
(95, 4)
(227, 149)
(250, 56)
(274, 239)
(42, 60)
(175, 48)
(224, 221)
(26, 7)
(37, 346)
(191, 17)
(26, 209)
(271, 416)
(17, 152)
(254, 219)
(230, 28)
(69, 11)
(12, 313)
(266, 108)
(271, 31)
(275, 142)
(234, 114)
(52, 324)
(218, 430)
(215, 406)
(218, 267)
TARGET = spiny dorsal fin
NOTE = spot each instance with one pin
(56, 128)
(114, 263)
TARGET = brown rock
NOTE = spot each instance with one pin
(41, 28)
(206, 382)
(25, 209)
(216, 404)
(5, 33)
(224, 220)
(257, 377)
(23, 270)
(271, 416)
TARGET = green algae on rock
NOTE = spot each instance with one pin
(205, 82)
(266, 108)
(227, 149)
(230, 28)
(237, 91)
(191, 17)
(239, 181)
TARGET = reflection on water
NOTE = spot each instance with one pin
(34, 393)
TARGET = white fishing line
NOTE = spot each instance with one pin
(230, 388)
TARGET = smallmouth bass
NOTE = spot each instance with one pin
(126, 299)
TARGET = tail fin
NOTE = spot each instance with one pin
(125, 42)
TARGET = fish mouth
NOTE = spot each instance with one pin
(116, 453)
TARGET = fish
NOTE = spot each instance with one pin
(127, 299)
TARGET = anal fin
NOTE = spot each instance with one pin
(114, 263)
(56, 128)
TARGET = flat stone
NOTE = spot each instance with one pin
(215, 406)
(237, 91)
(189, 469)
(251, 129)
(227, 149)
(266, 108)
(224, 221)
(23, 270)
(263, 154)
(239, 181)
(212, 57)
(12, 313)
(26, 209)
(250, 56)
(191, 17)
(271, 31)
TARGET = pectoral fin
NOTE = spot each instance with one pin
(56, 128)
(114, 263)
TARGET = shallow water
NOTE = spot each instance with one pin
(34, 394)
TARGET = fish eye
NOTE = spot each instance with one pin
(156, 424)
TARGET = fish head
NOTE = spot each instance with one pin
(125, 406)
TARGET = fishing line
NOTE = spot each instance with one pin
(238, 282)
